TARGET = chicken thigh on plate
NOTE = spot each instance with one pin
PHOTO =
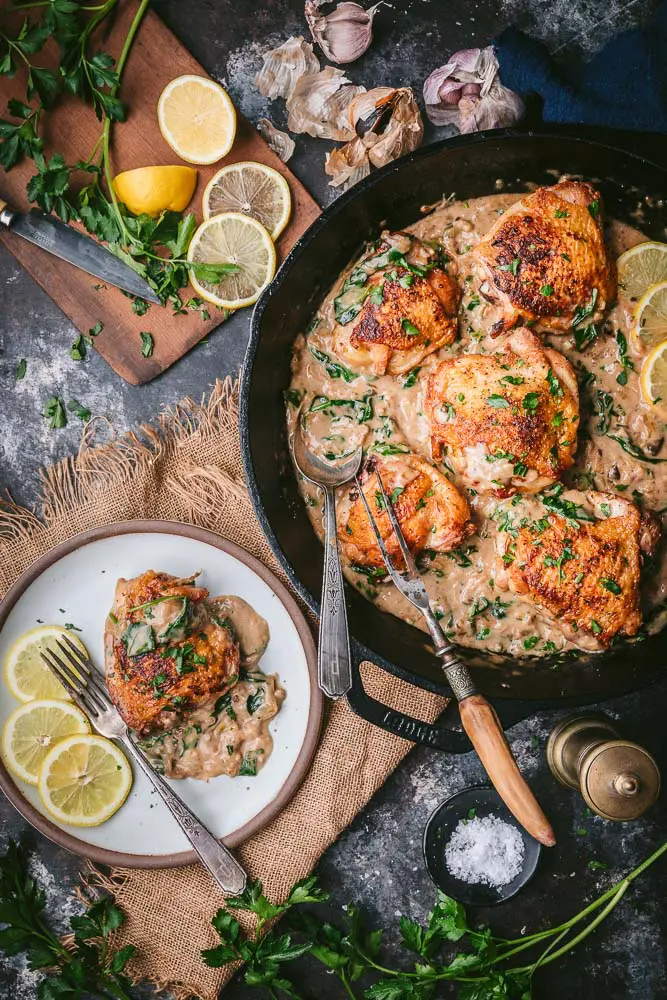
(577, 556)
(505, 422)
(398, 305)
(545, 260)
(430, 510)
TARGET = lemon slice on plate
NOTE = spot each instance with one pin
(31, 730)
(233, 238)
(197, 118)
(252, 189)
(151, 190)
(650, 325)
(640, 267)
(653, 378)
(26, 675)
(84, 780)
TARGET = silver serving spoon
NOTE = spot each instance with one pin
(333, 654)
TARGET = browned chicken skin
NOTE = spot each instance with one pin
(409, 308)
(582, 564)
(506, 422)
(165, 656)
(545, 260)
(431, 511)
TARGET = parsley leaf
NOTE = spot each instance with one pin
(147, 344)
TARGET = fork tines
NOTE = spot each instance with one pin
(410, 570)
(81, 681)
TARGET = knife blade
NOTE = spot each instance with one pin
(69, 244)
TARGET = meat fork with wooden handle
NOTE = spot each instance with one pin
(86, 687)
(477, 716)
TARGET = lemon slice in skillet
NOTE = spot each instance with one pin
(653, 378)
(640, 267)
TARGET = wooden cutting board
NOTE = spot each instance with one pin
(72, 129)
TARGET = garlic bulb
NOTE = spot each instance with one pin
(345, 33)
(284, 66)
(467, 92)
(281, 143)
(319, 105)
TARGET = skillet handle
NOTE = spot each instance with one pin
(434, 735)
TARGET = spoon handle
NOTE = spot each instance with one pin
(333, 654)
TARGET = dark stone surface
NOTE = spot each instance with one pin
(377, 861)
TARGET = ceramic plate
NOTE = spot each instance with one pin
(75, 583)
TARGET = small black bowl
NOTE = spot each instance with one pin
(441, 824)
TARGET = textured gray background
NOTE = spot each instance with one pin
(377, 862)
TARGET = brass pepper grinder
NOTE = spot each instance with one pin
(619, 780)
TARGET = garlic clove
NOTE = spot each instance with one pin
(345, 33)
(284, 66)
(281, 143)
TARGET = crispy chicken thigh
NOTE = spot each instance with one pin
(580, 562)
(430, 510)
(166, 650)
(506, 422)
(545, 260)
(409, 305)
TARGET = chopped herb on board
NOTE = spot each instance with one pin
(147, 344)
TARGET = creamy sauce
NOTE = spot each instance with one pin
(227, 734)
(462, 585)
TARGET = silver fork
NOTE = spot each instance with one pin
(85, 685)
(477, 716)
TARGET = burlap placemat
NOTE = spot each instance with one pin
(188, 468)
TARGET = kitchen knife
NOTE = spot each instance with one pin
(69, 244)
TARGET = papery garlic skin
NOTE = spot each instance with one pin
(344, 34)
(280, 143)
(284, 66)
(319, 105)
(467, 92)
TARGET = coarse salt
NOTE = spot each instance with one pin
(485, 849)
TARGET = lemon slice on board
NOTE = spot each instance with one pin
(237, 239)
(26, 675)
(640, 267)
(653, 378)
(151, 190)
(197, 118)
(32, 729)
(84, 780)
(650, 325)
(252, 189)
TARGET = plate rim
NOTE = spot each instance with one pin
(103, 855)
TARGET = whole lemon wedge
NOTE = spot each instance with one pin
(151, 190)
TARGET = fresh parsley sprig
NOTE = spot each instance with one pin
(88, 967)
(447, 948)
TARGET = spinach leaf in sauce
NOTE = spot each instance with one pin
(332, 368)
(139, 638)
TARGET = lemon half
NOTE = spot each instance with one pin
(252, 189)
(237, 239)
(84, 780)
(640, 267)
(32, 729)
(152, 190)
(26, 675)
(197, 119)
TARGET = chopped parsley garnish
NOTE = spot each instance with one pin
(147, 344)
(497, 401)
(531, 401)
(547, 290)
(610, 584)
(566, 556)
(555, 388)
(531, 642)
(567, 509)
(513, 267)
(410, 328)
(596, 628)
(594, 207)
(561, 213)
(411, 378)
(512, 380)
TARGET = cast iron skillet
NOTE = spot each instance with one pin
(470, 167)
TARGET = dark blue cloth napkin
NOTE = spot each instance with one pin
(624, 86)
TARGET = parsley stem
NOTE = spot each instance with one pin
(348, 989)
(106, 133)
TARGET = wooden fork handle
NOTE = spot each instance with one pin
(486, 735)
